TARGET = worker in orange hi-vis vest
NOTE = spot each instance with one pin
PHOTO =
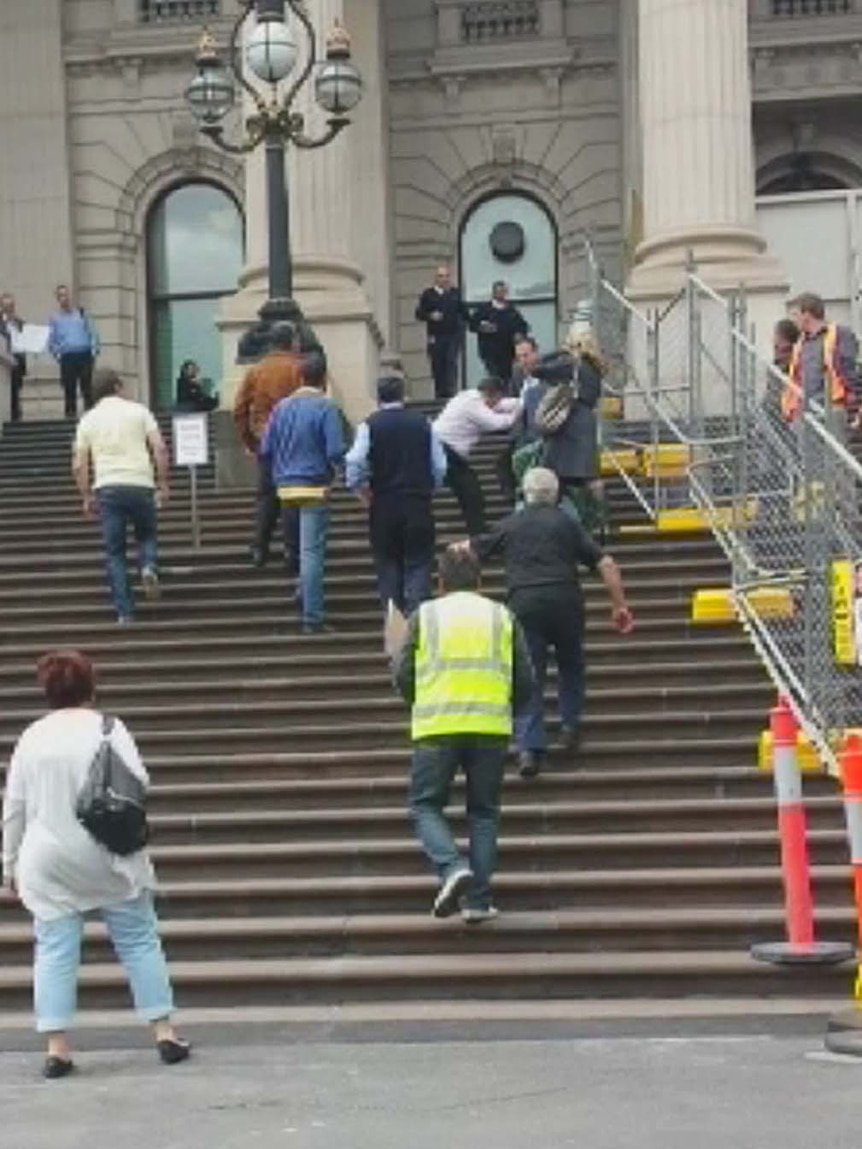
(823, 366)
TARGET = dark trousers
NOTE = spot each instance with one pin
(435, 763)
(267, 514)
(17, 383)
(443, 357)
(498, 362)
(76, 371)
(505, 473)
(553, 619)
(401, 529)
(463, 481)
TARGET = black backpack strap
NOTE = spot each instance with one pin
(107, 725)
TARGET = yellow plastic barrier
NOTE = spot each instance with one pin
(667, 461)
(612, 462)
(709, 607)
(611, 407)
(809, 761)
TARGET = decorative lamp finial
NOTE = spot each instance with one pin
(338, 42)
(207, 47)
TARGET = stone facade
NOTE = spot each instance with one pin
(464, 100)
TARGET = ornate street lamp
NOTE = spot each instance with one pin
(272, 53)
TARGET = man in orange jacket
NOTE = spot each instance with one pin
(274, 378)
(823, 366)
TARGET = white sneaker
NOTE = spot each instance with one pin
(475, 917)
(449, 894)
(150, 580)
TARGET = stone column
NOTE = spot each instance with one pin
(329, 282)
(695, 119)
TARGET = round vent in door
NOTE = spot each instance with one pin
(508, 241)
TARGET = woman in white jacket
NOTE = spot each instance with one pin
(60, 872)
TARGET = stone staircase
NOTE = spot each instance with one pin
(289, 870)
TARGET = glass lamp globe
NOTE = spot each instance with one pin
(338, 87)
(271, 51)
(210, 95)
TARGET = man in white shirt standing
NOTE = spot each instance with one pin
(122, 441)
(459, 426)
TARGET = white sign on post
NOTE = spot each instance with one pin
(191, 440)
(192, 450)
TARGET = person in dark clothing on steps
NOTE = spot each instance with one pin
(542, 547)
(11, 322)
(442, 311)
(395, 465)
(499, 325)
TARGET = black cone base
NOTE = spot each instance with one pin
(817, 953)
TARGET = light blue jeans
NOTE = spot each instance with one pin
(313, 532)
(134, 931)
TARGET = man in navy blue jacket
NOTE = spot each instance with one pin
(395, 465)
(304, 446)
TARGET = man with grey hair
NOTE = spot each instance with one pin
(541, 548)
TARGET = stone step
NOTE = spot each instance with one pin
(576, 931)
(550, 890)
(370, 680)
(337, 857)
(606, 755)
(274, 823)
(492, 976)
(682, 703)
(267, 731)
(698, 786)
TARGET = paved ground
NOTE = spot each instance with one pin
(605, 1093)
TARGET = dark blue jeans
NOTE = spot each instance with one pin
(118, 507)
(552, 619)
(435, 764)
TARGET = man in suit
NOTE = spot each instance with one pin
(11, 321)
(499, 325)
(442, 311)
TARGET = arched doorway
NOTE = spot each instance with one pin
(511, 236)
(195, 251)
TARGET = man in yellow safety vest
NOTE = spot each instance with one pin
(823, 366)
(465, 669)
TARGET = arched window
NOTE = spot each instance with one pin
(511, 237)
(194, 258)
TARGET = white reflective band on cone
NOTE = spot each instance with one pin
(788, 780)
(853, 809)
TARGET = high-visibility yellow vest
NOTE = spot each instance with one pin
(836, 384)
(463, 668)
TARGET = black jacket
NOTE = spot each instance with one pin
(498, 346)
(451, 307)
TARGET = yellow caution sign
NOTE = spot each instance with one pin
(843, 620)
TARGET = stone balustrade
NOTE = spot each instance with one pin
(175, 11)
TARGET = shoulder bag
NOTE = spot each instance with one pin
(112, 803)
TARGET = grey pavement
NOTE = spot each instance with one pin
(609, 1093)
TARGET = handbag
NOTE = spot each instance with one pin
(554, 409)
(112, 803)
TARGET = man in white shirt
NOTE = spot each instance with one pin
(121, 440)
(459, 426)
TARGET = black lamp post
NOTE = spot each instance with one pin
(272, 53)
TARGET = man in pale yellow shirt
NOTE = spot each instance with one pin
(121, 465)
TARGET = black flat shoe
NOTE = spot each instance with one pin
(173, 1052)
(56, 1067)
